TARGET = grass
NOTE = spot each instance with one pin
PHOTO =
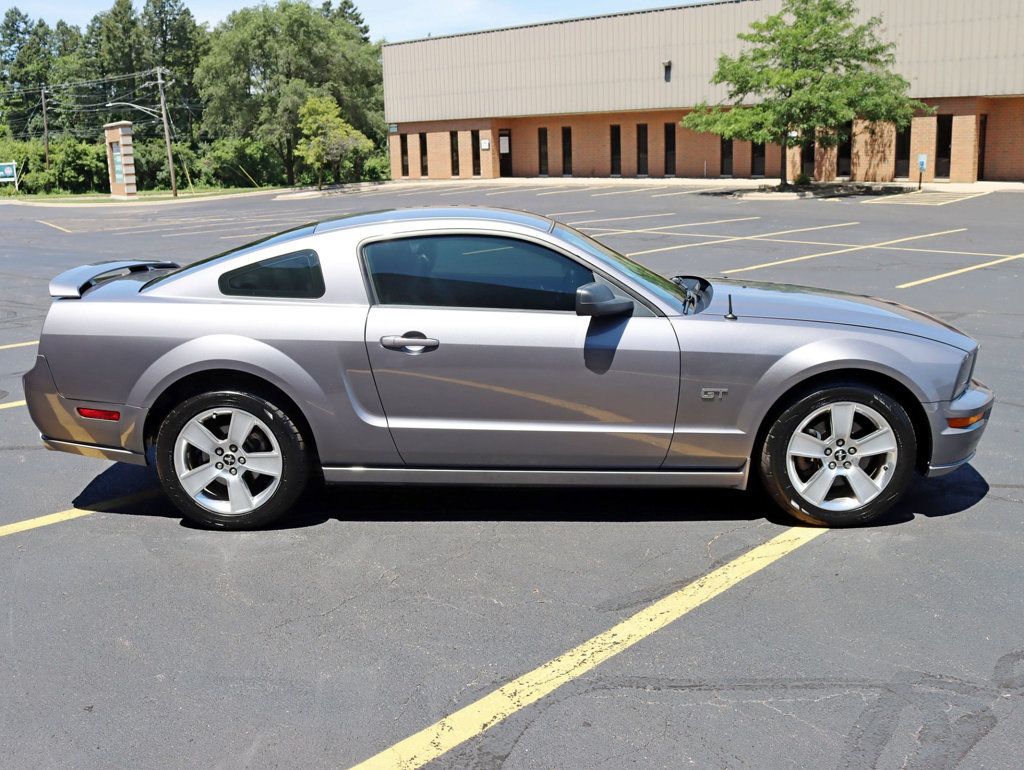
(184, 193)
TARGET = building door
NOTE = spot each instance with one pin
(982, 130)
(616, 140)
(807, 160)
(505, 151)
(943, 145)
(903, 153)
(725, 169)
(757, 159)
(670, 149)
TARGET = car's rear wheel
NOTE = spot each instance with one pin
(839, 456)
(231, 460)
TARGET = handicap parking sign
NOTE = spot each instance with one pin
(8, 172)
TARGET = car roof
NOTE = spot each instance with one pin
(476, 213)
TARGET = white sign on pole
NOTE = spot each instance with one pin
(9, 172)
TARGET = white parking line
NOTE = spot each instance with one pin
(961, 271)
(841, 251)
(687, 192)
(570, 213)
(574, 189)
(622, 219)
(666, 229)
(523, 189)
(628, 192)
(738, 238)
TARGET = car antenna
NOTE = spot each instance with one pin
(731, 316)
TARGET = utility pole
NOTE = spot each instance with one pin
(46, 130)
(167, 130)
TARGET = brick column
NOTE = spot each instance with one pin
(793, 163)
(964, 162)
(694, 150)
(874, 152)
(465, 154)
(395, 153)
(922, 140)
(773, 161)
(656, 148)
(825, 159)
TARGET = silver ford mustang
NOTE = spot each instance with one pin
(470, 345)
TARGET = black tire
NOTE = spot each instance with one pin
(296, 459)
(774, 461)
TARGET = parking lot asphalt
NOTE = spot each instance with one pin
(383, 617)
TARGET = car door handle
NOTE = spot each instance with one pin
(410, 342)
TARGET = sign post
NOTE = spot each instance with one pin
(120, 159)
(9, 173)
(922, 164)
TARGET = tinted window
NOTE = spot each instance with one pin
(295, 275)
(473, 271)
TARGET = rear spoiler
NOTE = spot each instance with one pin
(72, 283)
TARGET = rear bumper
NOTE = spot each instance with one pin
(953, 447)
(64, 430)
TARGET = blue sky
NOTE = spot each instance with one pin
(388, 19)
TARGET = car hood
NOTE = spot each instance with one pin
(802, 303)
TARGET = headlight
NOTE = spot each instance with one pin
(963, 377)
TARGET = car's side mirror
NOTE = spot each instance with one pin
(596, 299)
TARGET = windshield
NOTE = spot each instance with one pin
(658, 285)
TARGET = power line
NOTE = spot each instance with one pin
(72, 84)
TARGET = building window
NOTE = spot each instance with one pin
(474, 137)
(403, 143)
(542, 151)
(903, 153)
(423, 155)
(670, 149)
(566, 151)
(757, 159)
(616, 137)
(453, 138)
(641, 149)
(943, 145)
(844, 154)
(726, 165)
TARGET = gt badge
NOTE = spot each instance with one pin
(713, 394)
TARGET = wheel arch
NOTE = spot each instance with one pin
(207, 380)
(884, 383)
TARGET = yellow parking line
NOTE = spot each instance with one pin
(55, 227)
(841, 251)
(74, 513)
(472, 720)
(12, 404)
(961, 271)
(12, 345)
(730, 239)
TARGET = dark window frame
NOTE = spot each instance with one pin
(542, 150)
(724, 156)
(424, 166)
(453, 140)
(403, 149)
(642, 160)
(615, 142)
(758, 157)
(943, 163)
(317, 286)
(474, 139)
(901, 142)
(670, 149)
(566, 150)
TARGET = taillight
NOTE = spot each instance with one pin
(98, 414)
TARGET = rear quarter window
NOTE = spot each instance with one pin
(289, 276)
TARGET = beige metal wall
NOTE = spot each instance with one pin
(614, 63)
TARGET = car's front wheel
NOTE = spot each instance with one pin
(839, 456)
(231, 460)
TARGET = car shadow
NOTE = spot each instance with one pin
(134, 491)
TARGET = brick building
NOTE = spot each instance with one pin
(603, 96)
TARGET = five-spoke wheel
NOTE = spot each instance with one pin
(233, 460)
(840, 455)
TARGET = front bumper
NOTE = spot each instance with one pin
(953, 447)
(64, 430)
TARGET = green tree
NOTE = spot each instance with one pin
(264, 63)
(328, 142)
(171, 38)
(347, 11)
(808, 71)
